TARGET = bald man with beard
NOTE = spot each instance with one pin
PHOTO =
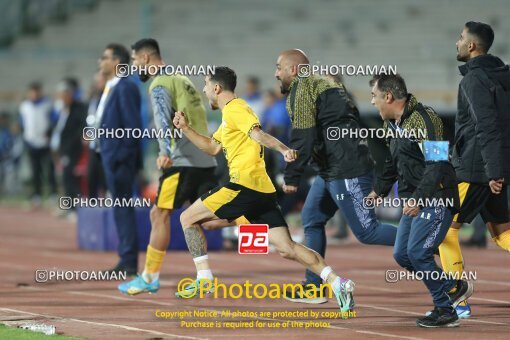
(316, 105)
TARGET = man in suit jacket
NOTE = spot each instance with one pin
(119, 108)
(67, 135)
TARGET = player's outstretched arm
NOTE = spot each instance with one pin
(204, 143)
(270, 142)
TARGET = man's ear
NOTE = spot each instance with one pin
(389, 97)
(217, 88)
(472, 46)
(294, 70)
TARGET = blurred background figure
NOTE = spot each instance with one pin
(66, 139)
(35, 114)
(275, 118)
(95, 174)
(479, 237)
(253, 95)
(6, 140)
(119, 108)
(11, 148)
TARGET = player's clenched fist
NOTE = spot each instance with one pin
(180, 121)
(290, 155)
(163, 162)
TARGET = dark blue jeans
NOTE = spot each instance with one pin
(325, 198)
(417, 237)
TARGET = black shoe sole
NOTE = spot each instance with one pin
(455, 323)
(311, 301)
(469, 291)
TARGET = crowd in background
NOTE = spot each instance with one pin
(48, 129)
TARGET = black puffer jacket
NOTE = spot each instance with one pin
(481, 150)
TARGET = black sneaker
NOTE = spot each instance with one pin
(474, 243)
(440, 317)
(120, 269)
(306, 294)
(463, 292)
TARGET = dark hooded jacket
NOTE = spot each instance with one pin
(481, 149)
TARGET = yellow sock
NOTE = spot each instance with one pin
(450, 253)
(503, 240)
(153, 260)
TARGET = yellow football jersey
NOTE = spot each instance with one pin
(245, 156)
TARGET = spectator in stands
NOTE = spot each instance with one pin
(67, 134)
(11, 149)
(275, 119)
(12, 180)
(6, 140)
(253, 95)
(35, 114)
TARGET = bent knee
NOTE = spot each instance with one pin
(401, 258)
(367, 238)
(185, 219)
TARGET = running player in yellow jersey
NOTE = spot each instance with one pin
(250, 192)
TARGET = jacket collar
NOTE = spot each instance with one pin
(410, 107)
(294, 82)
(482, 61)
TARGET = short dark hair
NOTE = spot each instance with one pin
(224, 76)
(73, 83)
(148, 44)
(254, 80)
(393, 83)
(119, 52)
(483, 33)
(35, 86)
